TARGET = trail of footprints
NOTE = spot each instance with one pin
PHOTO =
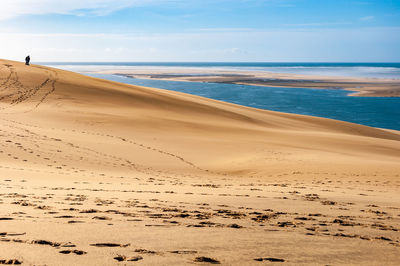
(43, 150)
(70, 208)
(45, 147)
(13, 92)
(143, 146)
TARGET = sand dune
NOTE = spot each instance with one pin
(98, 172)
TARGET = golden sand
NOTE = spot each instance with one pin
(95, 172)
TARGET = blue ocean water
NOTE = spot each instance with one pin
(370, 70)
(382, 112)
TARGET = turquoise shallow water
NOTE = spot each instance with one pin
(383, 112)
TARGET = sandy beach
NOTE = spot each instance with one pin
(95, 172)
(366, 87)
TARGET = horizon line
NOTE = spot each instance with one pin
(224, 62)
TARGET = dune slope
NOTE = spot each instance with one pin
(186, 124)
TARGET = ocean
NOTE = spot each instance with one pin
(381, 112)
(369, 70)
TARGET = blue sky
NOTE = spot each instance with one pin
(201, 30)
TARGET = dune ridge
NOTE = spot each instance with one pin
(120, 173)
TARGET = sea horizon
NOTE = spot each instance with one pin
(345, 69)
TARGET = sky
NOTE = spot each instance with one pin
(200, 30)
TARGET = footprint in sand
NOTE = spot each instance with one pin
(270, 259)
(109, 245)
(183, 251)
(207, 259)
(124, 258)
(77, 252)
(10, 262)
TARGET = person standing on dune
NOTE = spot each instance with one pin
(27, 60)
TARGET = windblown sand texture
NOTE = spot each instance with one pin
(94, 172)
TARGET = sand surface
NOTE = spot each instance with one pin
(366, 87)
(94, 172)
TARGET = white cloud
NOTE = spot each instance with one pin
(13, 8)
(317, 24)
(227, 29)
(367, 18)
(272, 45)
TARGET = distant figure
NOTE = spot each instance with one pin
(27, 60)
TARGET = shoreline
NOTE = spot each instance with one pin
(361, 87)
(284, 103)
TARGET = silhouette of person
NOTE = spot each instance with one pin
(27, 60)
